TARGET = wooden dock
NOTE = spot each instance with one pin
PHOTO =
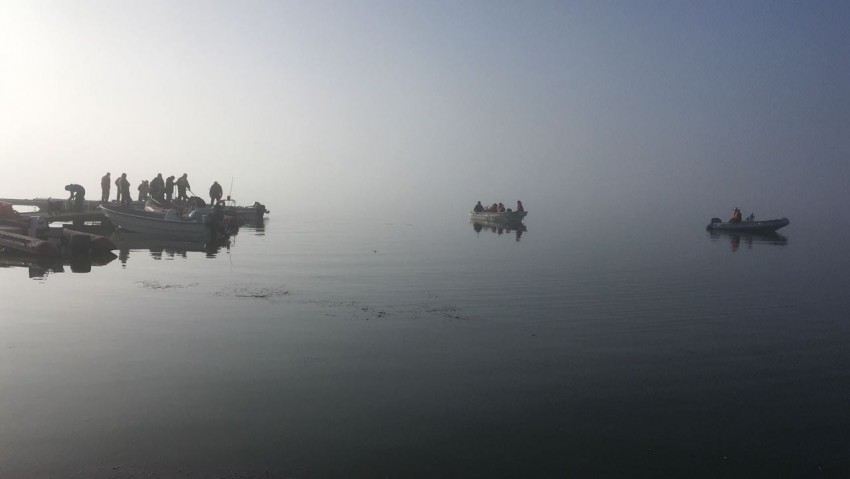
(90, 213)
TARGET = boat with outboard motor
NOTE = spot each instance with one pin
(497, 217)
(233, 214)
(168, 224)
(750, 225)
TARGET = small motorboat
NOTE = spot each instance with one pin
(168, 224)
(233, 215)
(500, 217)
(749, 225)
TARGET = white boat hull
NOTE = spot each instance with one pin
(155, 225)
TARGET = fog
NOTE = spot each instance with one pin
(642, 110)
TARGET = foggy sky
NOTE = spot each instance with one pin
(585, 108)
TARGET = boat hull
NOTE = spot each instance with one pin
(503, 217)
(150, 223)
(767, 226)
(234, 215)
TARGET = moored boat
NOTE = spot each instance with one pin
(500, 217)
(233, 214)
(245, 214)
(748, 225)
(159, 224)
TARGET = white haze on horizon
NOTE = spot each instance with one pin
(587, 109)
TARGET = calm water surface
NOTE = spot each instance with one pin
(432, 348)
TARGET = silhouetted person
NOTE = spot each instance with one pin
(215, 193)
(157, 187)
(105, 185)
(519, 206)
(78, 195)
(169, 188)
(479, 208)
(144, 189)
(182, 185)
(124, 186)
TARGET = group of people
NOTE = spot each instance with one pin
(496, 208)
(158, 189)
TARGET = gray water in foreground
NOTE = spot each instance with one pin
(384, 348)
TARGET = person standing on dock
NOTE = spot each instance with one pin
(105, 185)
(183, 185)
(144, 190)
(124, 189)
(157, 187)
(169, 188)
(215, 193)
(78, 196)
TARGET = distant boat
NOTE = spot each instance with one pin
(747, 226)
(503, 217)
(154, 223)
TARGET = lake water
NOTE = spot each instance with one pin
(422, 347)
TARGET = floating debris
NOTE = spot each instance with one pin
(366, 312)
(158, 285)
(255, 292)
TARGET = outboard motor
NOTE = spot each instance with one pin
(260, 208)
(713, 222)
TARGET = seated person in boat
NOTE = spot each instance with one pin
(494, 208)
(736, 215)
(478, 207)
(501, 208)
(519, 206)
(78, 195)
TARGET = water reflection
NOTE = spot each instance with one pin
(735, 239)
(499, 228)
(164, 248)
(255, 225)
(40, 268)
